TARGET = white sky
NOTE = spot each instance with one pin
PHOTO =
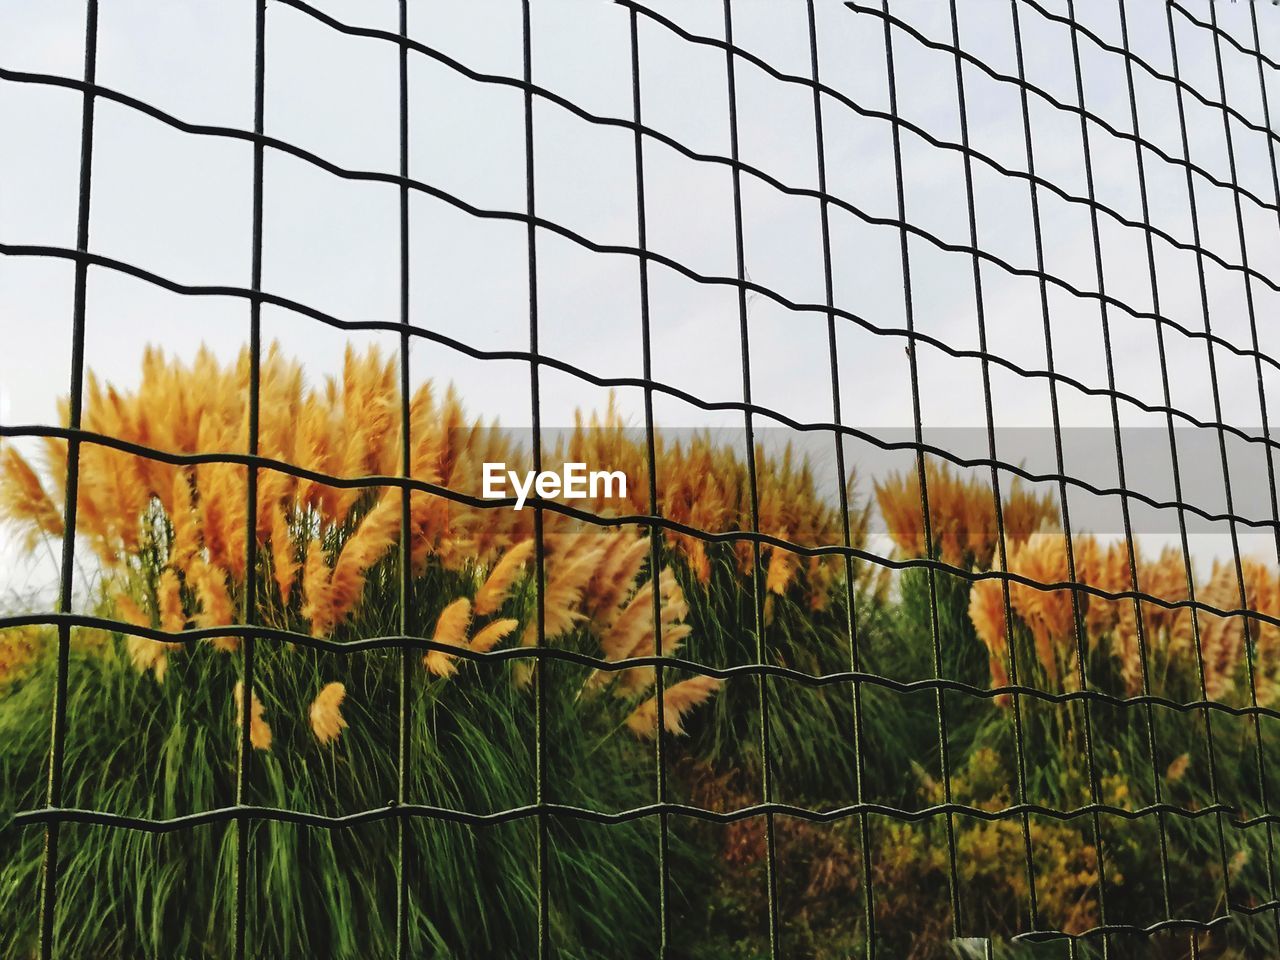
(179, 205)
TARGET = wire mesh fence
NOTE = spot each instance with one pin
(1100, 261)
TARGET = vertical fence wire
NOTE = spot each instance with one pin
(249, 616)
(540, 553)
(655, 534)
(407, 623)
(1002, 542)
(1215, 390)
(1077, 617)
(1153, 750)
(75, 409)
(243, 816)
(1251, 313)
(935, 630)
(1271, 468)
(753, 494)
(1175, 462)
(842, 489)
(1236, 555)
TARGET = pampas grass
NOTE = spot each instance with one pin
(491, 634)
(170, 544)
(677, 700)
(451, 629)
(326, 714)
(493, 593)
(259, 729)
(23, 499)
(375, 535)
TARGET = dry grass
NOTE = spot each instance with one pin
(965, 531)
(327, 722)
(24, 500)
(677, 700)
(451, 629)
(259, 729)
(493, 592)
(962, 515)
(322, 541)
(172, 541)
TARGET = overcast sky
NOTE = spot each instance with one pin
(179, 205)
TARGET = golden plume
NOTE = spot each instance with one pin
(493, 593)
(284, 558)
(451, 629)
(186, 526)
(18, 651)
(677, 700)
(317, 590)
(327, 722)
(216, 609)
(615, 578)
(144, 653)
(259, 729)
(173, 618)
(371, 540)
(492, 634)
(23, 499)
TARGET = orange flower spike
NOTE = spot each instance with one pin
(23, 500)
(678, 700)
(259, 729)
(493, 592)
(987, 613)
(327, 722)
(899, 500)
(284, 557)
(451, 629)
(317, 590)
(173, 619)
(373, 538)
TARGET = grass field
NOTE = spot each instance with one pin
(153, 727)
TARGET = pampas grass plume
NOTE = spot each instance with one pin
(23, 499)
(493, 593)
(677, 700)
(451, 629)
(491, 635)
(327, 722)
(259, 730)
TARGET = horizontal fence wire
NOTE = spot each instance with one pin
(826, 100)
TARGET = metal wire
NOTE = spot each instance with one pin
(850, 594)
(1271, 470)
(243, 815)
(1217, 402)
(655, 536)
(753, 496)
(407, 625)
(535, 405)
(75, 406)
(1153, 749)
(1002, 544)
(249, 614)
(935, 629)
(1091, 760)
(1184, 543)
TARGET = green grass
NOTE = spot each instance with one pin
(140, 748)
